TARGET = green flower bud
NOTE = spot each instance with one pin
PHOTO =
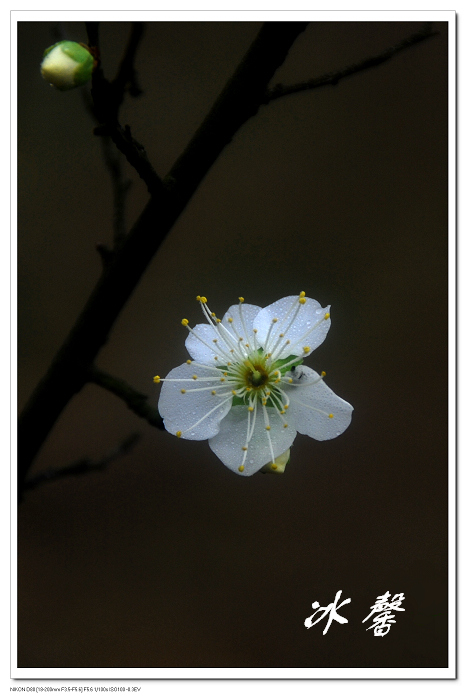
(67, 65)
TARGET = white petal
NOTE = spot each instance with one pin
(310, 407)
(59, 68)
(231, 438)
(203, 348)
(309, 327)
(181, 411)
(248, 312)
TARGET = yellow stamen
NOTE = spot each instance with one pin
(184, 322)
(330, 415)
(241, 299)
(183, 391)
(302, 300)
(327, 315)
(178, 434)
(241, 468)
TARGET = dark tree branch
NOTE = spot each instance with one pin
(83, 466)
(126, 76)
(107, 98)
(92, 29)
(135, 401)
(239, 101)
(334, 77)
(120, 187)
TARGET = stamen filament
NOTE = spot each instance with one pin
(207, 414)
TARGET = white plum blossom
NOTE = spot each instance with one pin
(245, 388)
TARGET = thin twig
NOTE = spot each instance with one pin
(120, 187)
(126, 76)
(107, 99)
(135, 400)
(83, 466)
(334, 77)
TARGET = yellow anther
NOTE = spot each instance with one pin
(245, 449)
(241, 468)
(215, 340)
(225, 374)
(327, 315)
(233, 392)
(240, 338)
(198, 298)
(323, 374)
(330, 415)
(212, 314)
(184, 322)
(178, 434)
(213, 392)
(183, 391)
(274, 320)
(250, 408)
(218, 320)
(241, 299)
(274, 466)
(282, 335)
(156, 379)
(246, 345)
(254, 330)
(285, 425)
(230, 320)
(267, 427)
(306, 348)
(203, 300)
(286, 406)
(290, 381)
(188, 362)
(229, 364)
(194, 376)
(282, 412)
(215, 358)
(302, 294)
(222, 379)
(302, 300)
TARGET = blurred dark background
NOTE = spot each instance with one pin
(167, 558)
